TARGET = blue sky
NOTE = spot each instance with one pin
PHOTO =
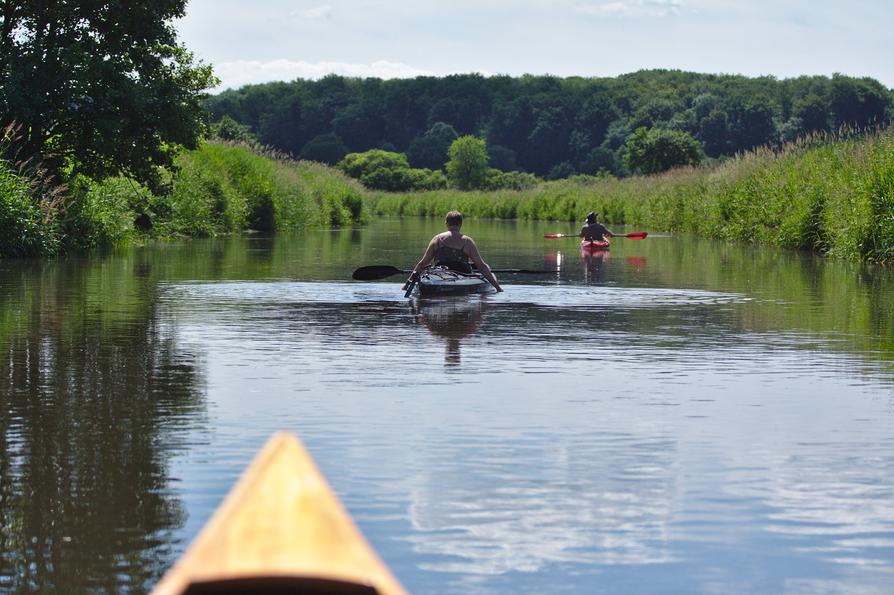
(281, 40)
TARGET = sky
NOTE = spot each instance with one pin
(270, 40)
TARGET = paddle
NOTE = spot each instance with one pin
(410, 285)
(633, 235)
(375, 272)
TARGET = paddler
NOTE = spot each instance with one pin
(594, 231)
(455, 251)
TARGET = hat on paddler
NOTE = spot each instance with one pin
(591, 217)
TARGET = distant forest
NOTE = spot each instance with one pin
(552, 127)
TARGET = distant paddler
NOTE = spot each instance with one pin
(455, 251)
(594, 231)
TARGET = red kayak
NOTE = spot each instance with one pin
(594, 245)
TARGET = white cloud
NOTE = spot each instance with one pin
(323, 11)
(631, 8)
(502, 36)
(244, 72)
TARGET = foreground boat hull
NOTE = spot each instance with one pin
(280, 529)
(443, 281)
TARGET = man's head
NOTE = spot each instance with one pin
(591, 217)
(454, 219)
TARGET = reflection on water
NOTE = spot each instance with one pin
(491, 521)
(451, 318)
(96, 396)
(810, 506)
(675, 416)
(594, 266)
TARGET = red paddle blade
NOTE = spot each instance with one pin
(634, 235)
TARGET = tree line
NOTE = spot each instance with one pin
(549, 126)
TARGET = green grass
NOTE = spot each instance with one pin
(827, 195)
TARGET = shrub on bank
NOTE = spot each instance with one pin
(509, 180)
(390, 171)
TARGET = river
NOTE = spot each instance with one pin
(675, 416)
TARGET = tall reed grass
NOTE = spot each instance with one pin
(29, 201)
(827, 194)
(223, 187)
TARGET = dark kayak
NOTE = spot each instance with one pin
(443, 281)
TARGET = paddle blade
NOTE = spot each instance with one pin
(636, 235)
(410, 287)
(372, 273)
(554, 236)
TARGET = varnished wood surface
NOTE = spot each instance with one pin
(281, 527)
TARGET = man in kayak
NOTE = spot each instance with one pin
(594, 231)
(454, 250)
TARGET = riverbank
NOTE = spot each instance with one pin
(831, 196)
(216, 189)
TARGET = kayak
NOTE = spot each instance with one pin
(280, 529)
(594, 245)
(439, 280)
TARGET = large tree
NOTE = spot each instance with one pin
(467, 168)
(100, 87)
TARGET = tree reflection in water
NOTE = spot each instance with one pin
(96, 397)
(452, 319)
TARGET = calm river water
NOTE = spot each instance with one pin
(677, 416)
